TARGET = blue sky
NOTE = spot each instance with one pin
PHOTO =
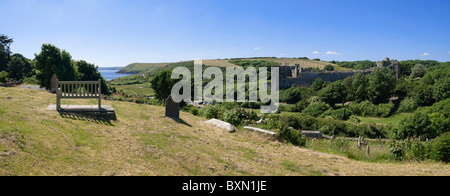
(118, 32)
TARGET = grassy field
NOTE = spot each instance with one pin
(148, 67)
(136, 68)
(393, 120)
(138, 89)
(141, 141)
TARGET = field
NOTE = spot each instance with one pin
(147, 67)
(141, 141)
(136, 68)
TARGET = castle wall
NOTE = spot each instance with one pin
(307, 79)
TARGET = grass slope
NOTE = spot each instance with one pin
(136, 68)
(141, 141)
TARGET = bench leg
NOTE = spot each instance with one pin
(58, 100)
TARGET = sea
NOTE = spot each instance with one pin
(109, 73)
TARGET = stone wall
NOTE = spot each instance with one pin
(306, 79)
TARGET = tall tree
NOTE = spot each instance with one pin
(89, 72)
(5, 52)
(381, 85)
(19, 67)
(51, 61)
(333, 93)
(162, 84)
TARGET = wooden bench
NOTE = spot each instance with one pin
(78, 90)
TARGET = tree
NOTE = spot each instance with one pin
(19, 67)
(381, 84)
(441, 89)
(418, 71)
(329, 68)
(318, 84)
(89, 72)
(333, 93)
(51, 61)
(5, 52)
(423, 95)
(162, 85)
(404, 87)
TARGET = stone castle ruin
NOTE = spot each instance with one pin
(391, 64)
(304, 77)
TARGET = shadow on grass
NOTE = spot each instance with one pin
(94, 117)
(179, 120)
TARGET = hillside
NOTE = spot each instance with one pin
(136, 68)
(141, 141)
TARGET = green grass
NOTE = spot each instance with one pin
(351, 150)
(136, 68)
(393, 120)
(138, 89)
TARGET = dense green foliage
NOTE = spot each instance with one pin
(356, 64)
(162, 84)
(5, 51)
(19, 67)
(253, 63)
(329, 68)
(295, 137)
(51, 60)
(427, 123)
(333, 93)
(89, 72)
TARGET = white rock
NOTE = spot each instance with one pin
(222, 125)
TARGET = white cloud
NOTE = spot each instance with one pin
(448, 52)
(257, 48)
(425, 54)
(282, 54)
(333, 53)
(316, 52)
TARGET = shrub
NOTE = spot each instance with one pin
(329, 68)
(316, 109)
(397, 150)
(415, 126)
(440, 148)
(3, 77)
(295, 137)
(31, 81)
(368, 109)
(211, 112)
(407, 106)
(340, 114)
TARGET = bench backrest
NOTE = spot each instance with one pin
(79, 89)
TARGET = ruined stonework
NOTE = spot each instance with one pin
(304, 77)
(391, 64)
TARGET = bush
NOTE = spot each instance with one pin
(329, 68)
(211, 112)
(340, 114)
(415, 126)
(3, 77)
(31, 81)
(407, 106)
(368, 109)
(316, 109)
(440, 148)
(295, 137)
